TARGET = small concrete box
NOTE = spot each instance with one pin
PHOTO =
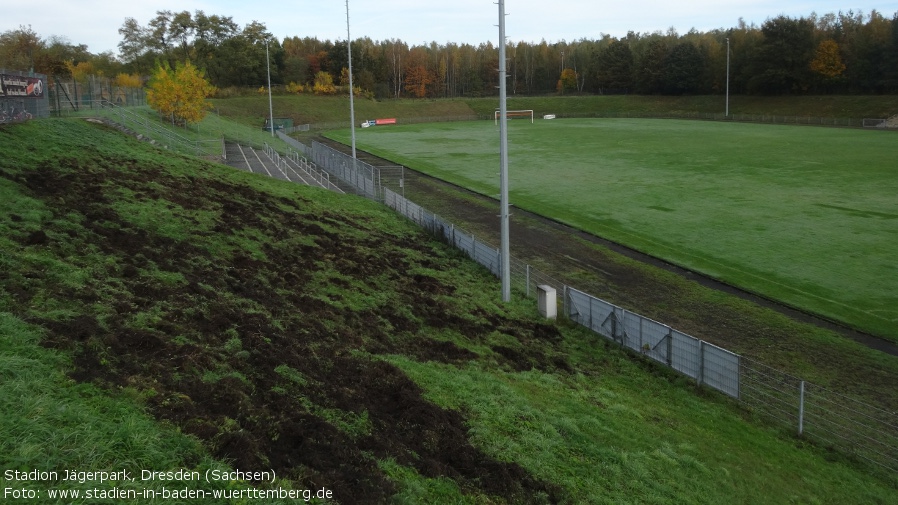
(548, 305)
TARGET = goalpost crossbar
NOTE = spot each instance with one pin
(511, 114)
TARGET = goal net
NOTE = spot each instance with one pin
(515, 114)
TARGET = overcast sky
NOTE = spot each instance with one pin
(96, 23)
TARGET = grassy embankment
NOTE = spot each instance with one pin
(311, 109)
(323, 337)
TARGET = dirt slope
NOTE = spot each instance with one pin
(253, 320)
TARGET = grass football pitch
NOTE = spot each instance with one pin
(805, 215)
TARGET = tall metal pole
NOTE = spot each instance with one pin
(503, 160)
(351, 89)
(270, 106)
(727, 113)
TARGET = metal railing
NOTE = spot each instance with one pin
(147, 127)
(293, 162)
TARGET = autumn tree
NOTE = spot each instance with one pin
(324, 84)
(827, 61)
(418, 78)
(179, 93)
(80, 71)
(568, 81)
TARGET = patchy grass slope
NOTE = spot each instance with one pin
(325, 338)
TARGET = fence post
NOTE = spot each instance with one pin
(564, 302)
(801, 408)
(640, 335)
(701, 362)
(669, 338)
(527, 280)
(614, 325)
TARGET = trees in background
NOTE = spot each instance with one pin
(834, 53)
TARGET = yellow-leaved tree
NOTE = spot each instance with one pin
(81, 71)
(128, 81)
(180, 93)
(126, 87)
(827, 61)
(324, 84)
(568, 81)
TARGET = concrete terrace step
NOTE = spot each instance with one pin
(258, 161)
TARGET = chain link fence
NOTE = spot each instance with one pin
(68, 95)
(145, 126)
(833, 420)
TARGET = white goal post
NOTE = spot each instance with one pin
(874, 123)
(513, 114)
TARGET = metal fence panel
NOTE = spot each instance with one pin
(487, 256)
(631, 328)
(720, 369)
(577, 305)
(391, 200)
(591, 312)
(685, 354)
(656, 340)
(464, 242)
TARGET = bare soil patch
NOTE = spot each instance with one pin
(239, 355)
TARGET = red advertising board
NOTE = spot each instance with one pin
(23, 87)
(385, 121)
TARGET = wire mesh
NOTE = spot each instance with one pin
(850, 426)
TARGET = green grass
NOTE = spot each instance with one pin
(803, 215)
(52, 423)
(613, 434)
(307, 283)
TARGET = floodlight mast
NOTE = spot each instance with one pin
(351, 90)
(727, 112)
(270, 107)
(505, 263)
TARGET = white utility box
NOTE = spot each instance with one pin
(547, 299)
